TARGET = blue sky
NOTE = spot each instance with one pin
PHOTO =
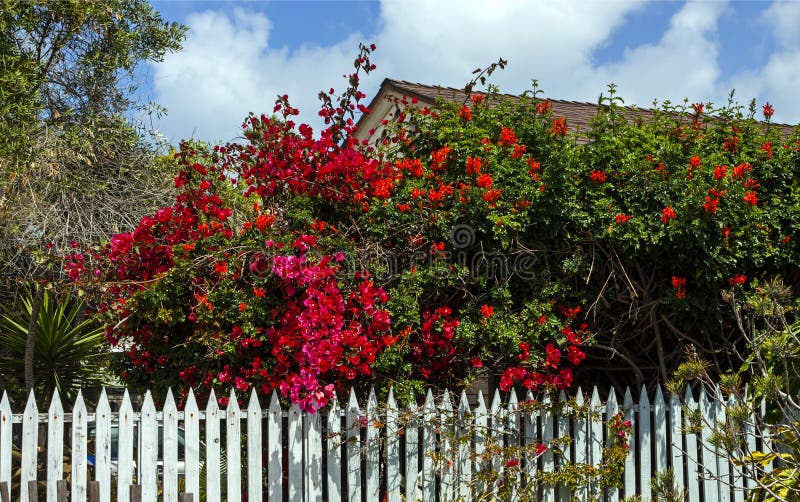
(240, 55)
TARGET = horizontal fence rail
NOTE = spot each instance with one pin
(350, 451)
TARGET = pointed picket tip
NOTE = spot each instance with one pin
(579, 397)
(30, 406)
(463, 402)
(703, 396)
(253, 404)
(391, 402)
(627, 401)
(447, 403)
(659, 400)
(513, 399)
(481, 402)
(55, 405)
(496, 401)
(352, 401)
(595, 397)
(4, 401)
(103, 405)
(429, 404)
(674, 399)
(148, 405)
(169, 401)
(212, 405)
(233, 401)
(643, 397)
(611, 404)
(688, 396)
(372, 403)
(274, 402)
(80, 405)
(562, 396)
(191, 402)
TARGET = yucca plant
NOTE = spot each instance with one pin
(69, 349)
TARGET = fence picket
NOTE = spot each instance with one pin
(412, 452)
(736, 469)
(630, 459)
(213, 455)
(612, 493)
(102, 448)
(5, 440)
(723, 466)
(530, 437)
(233, 444)
(55, 447)
(548, 433)
(373, 448)
(481, 421)
(464, 463)
(645, 444)
(447, 432)
(30, 443)
(595, 436)
(79, 451)
(692, 465)
(275, 449)
(148, 452)
(495, 436)
(312, 440)
(125, 449)
(676, 447)
(660, 432)
(710, 474)
(750, 434)
(334, 451)
(255, 490)
(170, 480)
(353, 447)
(295, 465)
(428, 448)
(580, 439)
(191, 455)
(392, 450)
(564, 432)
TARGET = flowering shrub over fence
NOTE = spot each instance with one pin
(479, 236)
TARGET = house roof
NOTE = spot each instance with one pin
(578, 114)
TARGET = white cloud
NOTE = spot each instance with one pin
(778, 79)
(682, 64)
(228, 67)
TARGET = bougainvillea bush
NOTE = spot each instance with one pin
(482, 237)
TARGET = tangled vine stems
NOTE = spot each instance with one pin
(508, 451)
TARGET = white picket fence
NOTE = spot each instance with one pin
(346, 453)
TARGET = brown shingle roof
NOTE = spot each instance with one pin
(578, 114)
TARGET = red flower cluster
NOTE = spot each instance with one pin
(679, 284)
(433, 344)
(769, 111)
(597, 176)
(507, 137)
(559, 127)
(667, 214)
(737, 280)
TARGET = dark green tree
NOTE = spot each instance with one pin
(74, 165)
